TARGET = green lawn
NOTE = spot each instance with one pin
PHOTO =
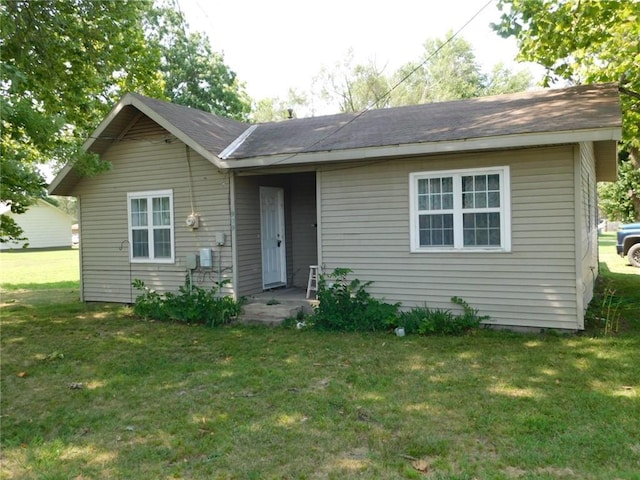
(621, 282)
(39, 269)
(608, 255)
(89, 392)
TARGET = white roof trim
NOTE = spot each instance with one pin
(233, 146)
(413, 149)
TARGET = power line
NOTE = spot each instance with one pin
(390, 91)
(436, 51)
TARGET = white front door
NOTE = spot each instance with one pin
(274, 268)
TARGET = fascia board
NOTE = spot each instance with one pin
(58, 179)
(414, 149)
(128, 99)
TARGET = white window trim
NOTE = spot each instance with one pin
(149, 195)
(505, 210)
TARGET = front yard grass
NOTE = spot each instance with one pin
(39, 269)
(619, 286)
(88, 391)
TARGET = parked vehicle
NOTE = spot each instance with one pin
(628, 243)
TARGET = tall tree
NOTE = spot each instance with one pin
(353, 87)
(61, 66)
(502, 79)
(409, 85)
(588, 41)
(75, 58)
(449, 71)
(278, 109)
(64, 63)
(194, 75)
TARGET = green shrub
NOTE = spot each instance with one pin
(149, 304)
(192, 304)
(346, 305)
(429, 321)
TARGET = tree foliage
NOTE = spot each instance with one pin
(76, 58)
(448, 70)
(588, 41)
(194, 75)
(277, 109)
(63, 64)
(619, 200)
(353, 86)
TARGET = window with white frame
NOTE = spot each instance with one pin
(151, 226)
(460, 210)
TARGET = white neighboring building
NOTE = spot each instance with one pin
(44, 226)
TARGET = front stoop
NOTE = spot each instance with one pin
(268, 315)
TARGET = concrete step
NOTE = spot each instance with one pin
(269, 315)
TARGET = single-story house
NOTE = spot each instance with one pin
(490, 199)
(43, 224)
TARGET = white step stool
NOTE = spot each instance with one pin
(312, 285)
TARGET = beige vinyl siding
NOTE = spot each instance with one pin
(587, 229)
(304, 231)
(249, 249)
(147, 159)
(365, 227)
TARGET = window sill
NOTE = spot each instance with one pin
(152, 261)
(461, 250)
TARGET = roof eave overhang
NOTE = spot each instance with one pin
(427, 148)
(57, 186)
(160, 120)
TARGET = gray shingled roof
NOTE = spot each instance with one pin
(417, 129)
(214, 133)
(568, 109)
(209, 131)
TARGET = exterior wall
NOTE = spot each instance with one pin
(586, 225)
(364, 226)
(142, 161)
(44, 226)
(247, 214)
(304, 227)
(300, 232)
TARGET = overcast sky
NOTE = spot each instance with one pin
(274, 45)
